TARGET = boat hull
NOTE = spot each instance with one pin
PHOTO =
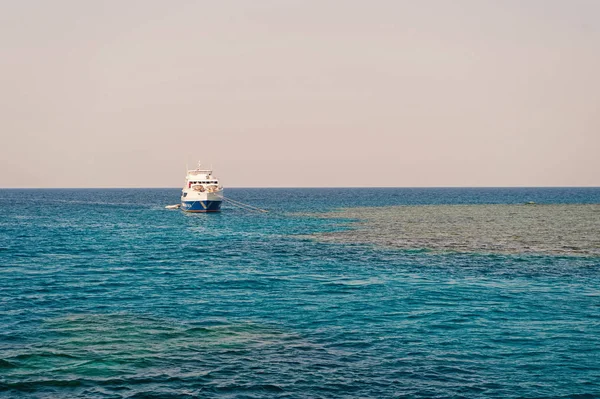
(201, 206)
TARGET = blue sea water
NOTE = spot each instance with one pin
(106, 294)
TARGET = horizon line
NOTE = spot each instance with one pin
(285, 187)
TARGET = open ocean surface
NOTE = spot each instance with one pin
(106, 294)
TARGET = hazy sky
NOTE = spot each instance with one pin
(300, 93)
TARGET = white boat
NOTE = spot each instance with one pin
(202, 191)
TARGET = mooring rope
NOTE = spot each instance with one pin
(242, 205)
(239, 204)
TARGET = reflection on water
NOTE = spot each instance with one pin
(545, 229)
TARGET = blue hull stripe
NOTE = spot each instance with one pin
(201, 206)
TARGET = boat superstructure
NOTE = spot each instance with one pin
(202, 191)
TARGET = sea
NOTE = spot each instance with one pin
(332, 293)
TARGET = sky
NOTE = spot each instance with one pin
(300, 93)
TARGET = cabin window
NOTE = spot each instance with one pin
(185, 194)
